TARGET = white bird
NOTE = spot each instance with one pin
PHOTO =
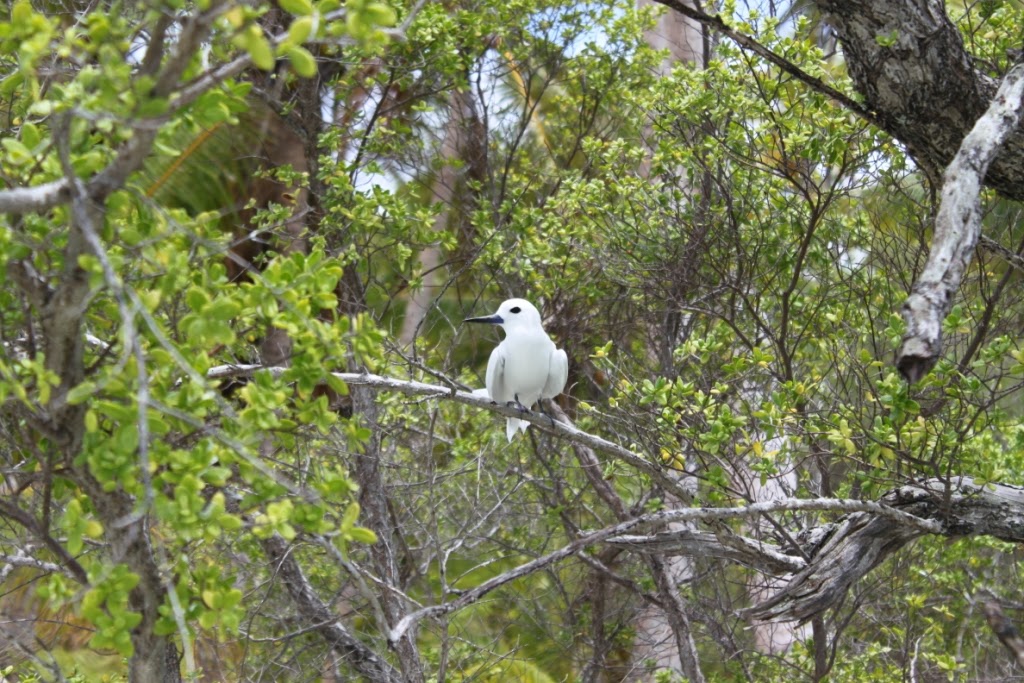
(526, 366)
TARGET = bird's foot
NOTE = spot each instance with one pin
(518, 405)
(546, 414)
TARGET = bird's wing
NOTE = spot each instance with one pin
(558, 373)
(495, 380)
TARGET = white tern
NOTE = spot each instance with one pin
(526, 366)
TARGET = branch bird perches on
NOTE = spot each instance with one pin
(830, 558)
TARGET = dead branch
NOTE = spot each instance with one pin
(957, 227)
(858, 542)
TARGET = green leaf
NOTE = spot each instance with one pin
(18, 153)
(350, 516)
(30, 135)
(83, 391)
(302, 61)
(197, 298)
(300, 30)
(298, 7)
(362, 535)
(256, 44)
(338, 384)
(380, 14)
(222, 309)
(21, 13)
(11, 83)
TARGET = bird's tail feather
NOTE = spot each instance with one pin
(512, 424)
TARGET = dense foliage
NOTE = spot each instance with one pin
(211, 207)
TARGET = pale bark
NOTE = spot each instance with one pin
(537, 419)
(680, 35)
(669, 628)
(744, 551)
(908, 61)
(43, 197)
(838, 554)
(843, 552)
(957, 227)
(35, 199)
(61, 310)
(664, 634)
(771, 637)
(612, 534)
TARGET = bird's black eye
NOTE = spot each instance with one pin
(516, 309)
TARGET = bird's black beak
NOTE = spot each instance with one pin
(489, 319)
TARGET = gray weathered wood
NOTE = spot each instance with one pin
(860, 541)
(957, 227)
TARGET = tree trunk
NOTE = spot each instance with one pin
(373, 501)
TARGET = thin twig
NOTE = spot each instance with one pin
(745, 41)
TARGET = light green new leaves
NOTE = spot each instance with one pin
(301, 8)
(363, 17)
(276, 520)
(30, 32)
(78, 526)
(349, 533)
(302, 61)
(209, 596)
(252, 40)
(210, 322)
(105, 605)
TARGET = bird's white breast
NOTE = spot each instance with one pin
(527, 362)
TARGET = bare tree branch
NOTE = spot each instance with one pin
(195, 29)
(670, 602)
(414, 388)
(924, 86)
(957, 227)
(35, 199)
(675, 611)
(191, 91)
(67, 561)
(838, 554)
(40, 198)
(857, 543)
(1016, 261)
(22, 559)
(895, 519)
(759, 556)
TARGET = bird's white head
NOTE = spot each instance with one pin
(514, 314)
